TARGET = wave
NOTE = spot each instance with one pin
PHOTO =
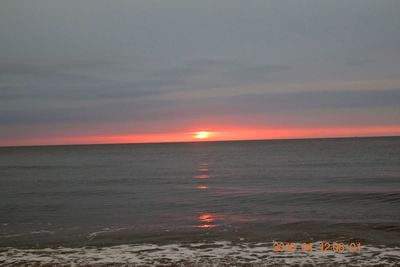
(221, 253)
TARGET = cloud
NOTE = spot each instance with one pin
(82, 62)
(151, 109)
(258, 73)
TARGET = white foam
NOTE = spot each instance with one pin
(198, 254)
(41, 232)
(104, 231)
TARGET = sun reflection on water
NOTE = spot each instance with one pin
(202, 176)
(202, 187)
(206, 220)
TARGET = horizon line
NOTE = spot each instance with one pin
(203, 141)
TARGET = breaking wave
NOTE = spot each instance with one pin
(220, 253)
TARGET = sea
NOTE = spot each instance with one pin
(309, 202)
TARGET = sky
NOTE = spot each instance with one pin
(121, 71)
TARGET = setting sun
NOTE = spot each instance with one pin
(202, 135)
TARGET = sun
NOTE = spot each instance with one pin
(202, 135)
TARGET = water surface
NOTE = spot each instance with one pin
(250, 191)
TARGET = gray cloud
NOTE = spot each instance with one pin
(258, 73)
(267, 104)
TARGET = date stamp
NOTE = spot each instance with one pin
(336, 247)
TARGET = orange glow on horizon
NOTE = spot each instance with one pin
(224, 133)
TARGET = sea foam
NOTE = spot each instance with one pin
(222, 253)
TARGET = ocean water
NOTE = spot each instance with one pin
(205, 203)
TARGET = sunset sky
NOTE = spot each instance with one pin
(102, 71)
